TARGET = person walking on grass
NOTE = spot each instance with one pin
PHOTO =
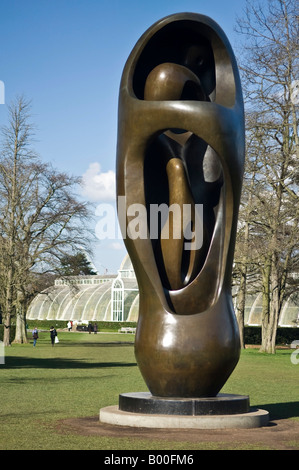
(35, 336)
(53, 334)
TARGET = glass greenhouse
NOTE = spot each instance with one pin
(116, 298)
(90, 298)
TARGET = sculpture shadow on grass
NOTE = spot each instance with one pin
(282, 410)
(12, 362)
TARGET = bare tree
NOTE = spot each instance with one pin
(270, 66)
(245, 273)
(41, 217)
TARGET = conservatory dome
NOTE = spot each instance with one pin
(115, 297)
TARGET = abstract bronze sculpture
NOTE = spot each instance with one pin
(181, 143)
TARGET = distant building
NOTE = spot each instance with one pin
(116, 298)
(90, 298)
(289, 316)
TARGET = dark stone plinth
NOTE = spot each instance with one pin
(222, 404)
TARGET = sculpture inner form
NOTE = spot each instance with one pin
(181, 146)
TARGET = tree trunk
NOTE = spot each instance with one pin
(21, 333)
(240, 308)
(276, 298)
(6, 331)
(266, 345)
(273, 308)
(8, 308)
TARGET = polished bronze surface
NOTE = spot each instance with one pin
(181, 143)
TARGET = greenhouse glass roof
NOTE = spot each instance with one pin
(116, 298)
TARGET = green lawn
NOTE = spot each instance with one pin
(83, 373)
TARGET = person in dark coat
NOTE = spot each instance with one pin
(35, 336)
(53, 334)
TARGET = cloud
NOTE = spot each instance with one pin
(97, 185)
(116, 246)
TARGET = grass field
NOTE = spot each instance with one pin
(42, 385)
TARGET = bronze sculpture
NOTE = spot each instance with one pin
(181, 142)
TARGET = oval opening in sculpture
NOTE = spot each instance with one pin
(183, 181)
(195, 46)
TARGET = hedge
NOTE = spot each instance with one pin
(102, 325)
(45, 324)
(285, 335)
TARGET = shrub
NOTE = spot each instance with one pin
(285, 335)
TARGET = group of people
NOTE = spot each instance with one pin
(93, 328)
(53, 336)
(53, 332)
